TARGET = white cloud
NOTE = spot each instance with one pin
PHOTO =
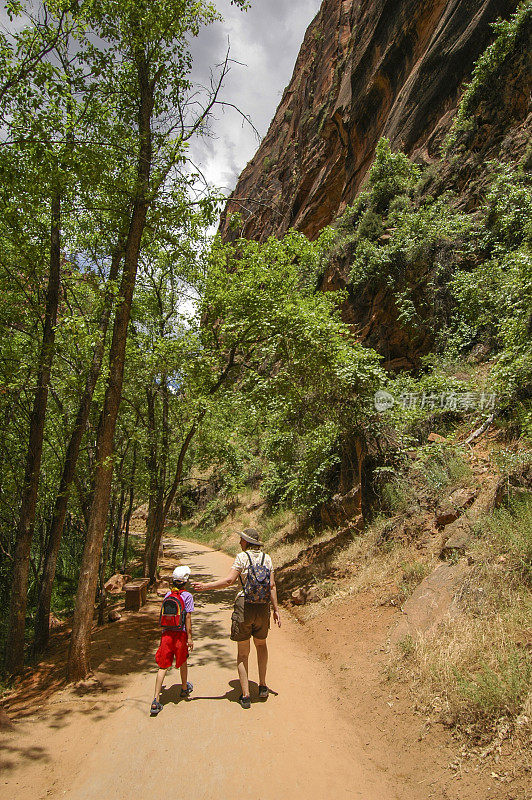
(266, 39)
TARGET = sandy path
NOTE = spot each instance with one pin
(105, 746)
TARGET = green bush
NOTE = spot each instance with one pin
(299, 467)
(498, 688)
(512, 38)
(495, 298)
(509, 531)
(215, 512)
(391, 174)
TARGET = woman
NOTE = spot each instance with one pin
(249, 618)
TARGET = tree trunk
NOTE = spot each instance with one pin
(117, 529)
(17, 614)
(79, 654)
(154, 490)
(158, 468)
(42, 627)
(156, 537)
(102, 599)
(160, 519)
(129, 509)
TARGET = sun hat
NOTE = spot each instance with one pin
(251, 536)
(181, 574)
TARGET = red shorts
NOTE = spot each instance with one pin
(173, 643)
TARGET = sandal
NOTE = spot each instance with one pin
(186, 692)
(155, 708)
(245, 702)
(263, 692)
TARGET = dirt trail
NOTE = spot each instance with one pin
(103, 745)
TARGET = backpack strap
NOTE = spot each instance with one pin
(250, 564)
(179, 598)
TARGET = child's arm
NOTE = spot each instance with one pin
(188, 625)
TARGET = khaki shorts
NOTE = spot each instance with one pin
(249, 619)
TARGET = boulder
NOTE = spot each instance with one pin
(140, 513)
(304, 595)
(116, 583)
(462, 498)
(432, 601)
(299, 597)
(435, 437)
(114, 616)
(457, 543)
(342, 507)
(446, 515)
(454, 507)
(313, 594)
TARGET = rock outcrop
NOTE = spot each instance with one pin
(433, 601)
(366, 69)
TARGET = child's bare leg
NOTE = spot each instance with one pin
(242, 666)
(184, 674)
(159, 683)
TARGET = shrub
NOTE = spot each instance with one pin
(215, 512)
(370, 225)
(512, 36)
(391, 174)
(413, 574)
(498, 688)
(509, 533)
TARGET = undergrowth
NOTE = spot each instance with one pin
(476, 669)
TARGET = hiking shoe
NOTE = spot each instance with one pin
(245, 702)
(188, 691)
(155, 708)
(263, 692)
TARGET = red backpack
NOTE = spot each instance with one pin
(173, 614)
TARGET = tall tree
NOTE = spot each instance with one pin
(146, 63)
(42, 626)
(47, 132)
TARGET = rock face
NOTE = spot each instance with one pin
(366, 69)
(431, 602)
(116, 583)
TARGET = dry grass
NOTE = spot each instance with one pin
(475, 670)
(392, 567)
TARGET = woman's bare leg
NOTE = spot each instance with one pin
(242, 666)
(262, 659)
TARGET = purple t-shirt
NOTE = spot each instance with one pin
(187, 599)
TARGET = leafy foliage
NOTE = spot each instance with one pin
(512, 37)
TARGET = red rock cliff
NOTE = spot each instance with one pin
(366, 69)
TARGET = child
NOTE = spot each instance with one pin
(176, 639)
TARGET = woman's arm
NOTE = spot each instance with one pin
(273, 595)
(223, 583)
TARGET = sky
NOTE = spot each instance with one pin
(265, 40)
